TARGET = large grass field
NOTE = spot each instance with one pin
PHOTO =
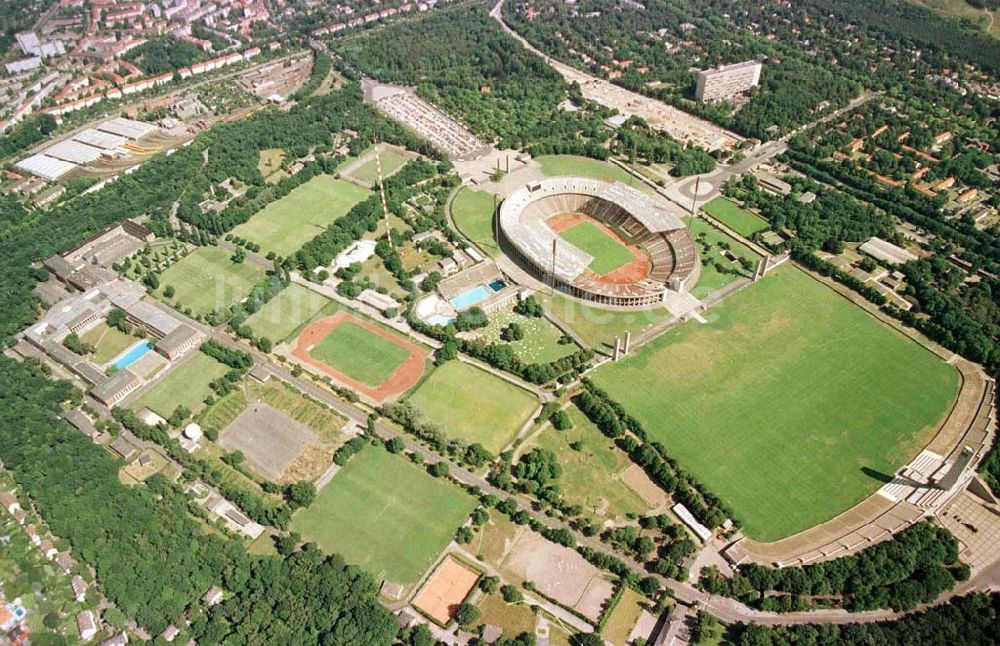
(591, 475)
(791, 403)
(207, 280)
(390, 160)
(186, 385)
(733, 215)
(359, 353)
(286, 312)
(472, 212)
(287, 224)
(609, 254)
(386, 514)
(474, 405)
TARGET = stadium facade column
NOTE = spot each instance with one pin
(628, 341)
(618, 348)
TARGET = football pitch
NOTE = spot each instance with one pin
(609, 254)
(792, 404)
(390, 160)
(359, 353)
(735, 216)
(287, 312)
(386, 514)
(472, 212)
(186, 385)
(474, 405)
(287, 224)
(574, 165)
(207, 280)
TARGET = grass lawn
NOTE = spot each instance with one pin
(541, 338)
(733, 215)
(609, 254)
(269, 163)
(185, 385)
(556, 165)
(791, 403)
(472, 212)
(359, 353)
(590, 476)
(598, 327)
(386, 514)
(286, 312)
(624, 617)
(474, 405)
(287, 224)
(391, 161)
(710, 242)
(207, 280)
(108, 342)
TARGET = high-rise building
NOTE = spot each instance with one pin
(724, 82)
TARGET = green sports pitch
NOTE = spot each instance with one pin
(386, 514)
(791, 403)
(609, 254)
(731, 214)
(287, 224)
(359, 353)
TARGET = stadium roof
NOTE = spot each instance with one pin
(127, 127)
(73, 151)
(104, 140)
(46, 167)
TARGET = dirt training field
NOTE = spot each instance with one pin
(448, 587)
(352, 365)
(268, 438)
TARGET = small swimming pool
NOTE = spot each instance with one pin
(439, 319)
(497, 285)
(470, 298)
(134, 354)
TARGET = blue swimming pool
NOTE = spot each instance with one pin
(134, 354)
(497, 285)
(438, 319)
(469, 298)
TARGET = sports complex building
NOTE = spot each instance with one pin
(535, 219)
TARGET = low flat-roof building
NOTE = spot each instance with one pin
(178, 341)
(86, 625)
(79, 588)
(123, 448)
(81, 422)
(116, 387)
(773, 184)
(887, 252)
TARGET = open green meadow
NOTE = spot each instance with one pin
(791, 403)
(287, 312)
(596, 326)
(287, 224)
(733, 215)
(186, 385)
(207, 280)
(541, 338)
(710, 243)
(472, 212)
(359, 353)
(574, 165)
(108, 342)
(591, 476)
(386, 514)
(609, 254)
(474, 405)
(391, 161)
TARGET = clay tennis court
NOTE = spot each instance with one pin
(404, 377)
(630, 272)
(446, 588)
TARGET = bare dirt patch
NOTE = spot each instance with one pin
(637, 480)
(269, 439)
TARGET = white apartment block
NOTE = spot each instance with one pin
(724, 82)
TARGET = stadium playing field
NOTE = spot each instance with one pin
(386, 514)
(287, 224)
(207, 280)
(474, 405)
(186, 385)
(359, 353)
(609, 254)
(791, 403)
(472, 212)
(734, 216)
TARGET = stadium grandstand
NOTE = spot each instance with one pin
(670, 259)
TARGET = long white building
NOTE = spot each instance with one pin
(722, 83)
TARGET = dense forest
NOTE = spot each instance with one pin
(461, 61)
(28, 132)
(165, 54)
